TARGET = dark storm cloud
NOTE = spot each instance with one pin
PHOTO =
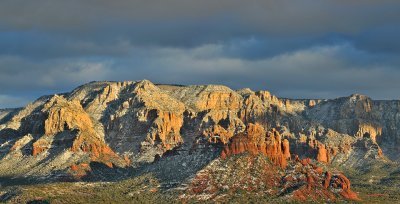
(317, 49)
(38, 45)
(181, 22)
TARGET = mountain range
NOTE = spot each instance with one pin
(120, 141)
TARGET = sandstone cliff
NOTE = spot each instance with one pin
(256, 141)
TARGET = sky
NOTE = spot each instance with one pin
(295, 49)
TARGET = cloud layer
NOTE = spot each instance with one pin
(301, 49)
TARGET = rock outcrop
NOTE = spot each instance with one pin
(362, 118)
(62, 132)
(66, 115)
(323, 155)
(166, 128)
(256, 141)
(302, 180)
(316, 184)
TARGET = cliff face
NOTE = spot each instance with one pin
(66, 115)
(62, 134)
(138, 123)
(363, 119)
(256, 141)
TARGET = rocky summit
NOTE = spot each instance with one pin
(136, 141)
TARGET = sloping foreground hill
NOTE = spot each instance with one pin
(198, 143)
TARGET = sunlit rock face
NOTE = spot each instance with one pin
(361, 118)
(256, 141)
(137, 123)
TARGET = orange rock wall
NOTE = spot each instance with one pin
(256, 141)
